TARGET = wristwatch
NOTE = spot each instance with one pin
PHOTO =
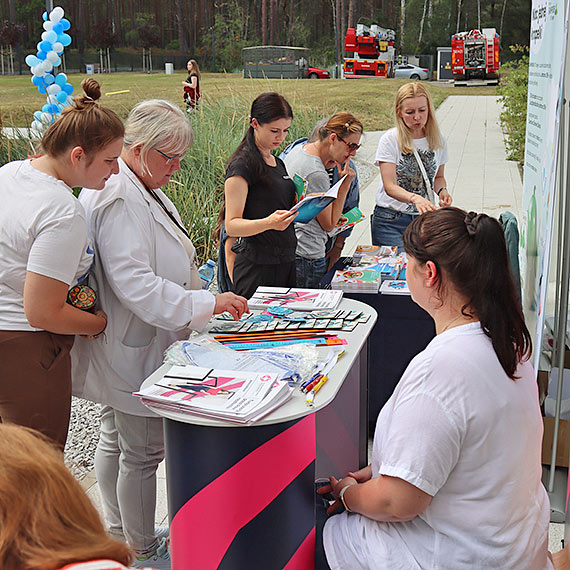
(341, 497)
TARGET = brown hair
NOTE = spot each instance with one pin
(469, 251)
(85, 123)
(46, 519)
(433, 136)
(195, 67)
(343, 124)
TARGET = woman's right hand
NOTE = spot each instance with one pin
(232, 303)
(103, 316)
(422, 204)
(281, 219)
(362, 475)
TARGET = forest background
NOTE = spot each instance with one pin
(215, 31)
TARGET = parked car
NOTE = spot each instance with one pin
(317, 73)
(408, 71)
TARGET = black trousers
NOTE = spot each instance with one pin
(248, 275)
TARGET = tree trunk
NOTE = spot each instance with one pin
(422, 25)
(478, 14)
(402, 22)
(264, 21)
(502, 18)
(350, 22)
(459, 2)
(183, 43)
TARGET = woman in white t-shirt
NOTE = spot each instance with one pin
(455, 478)
(43, 251)
(412, 158)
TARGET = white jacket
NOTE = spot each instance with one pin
(142, 278)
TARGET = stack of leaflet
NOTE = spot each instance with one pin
(395, 287)
(361, 279)
(234, 396)
(296, 299)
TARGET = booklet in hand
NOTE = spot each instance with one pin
(312, 205)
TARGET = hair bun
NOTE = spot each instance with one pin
(472, 221)
(92, 90)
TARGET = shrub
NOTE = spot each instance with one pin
(514, 91)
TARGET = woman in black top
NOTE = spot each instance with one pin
(259, 195)
(192, 85)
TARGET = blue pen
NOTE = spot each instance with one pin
(305, 384)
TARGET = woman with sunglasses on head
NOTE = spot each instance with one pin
(44, 250)
(258, 197)
(148, 280)
(455, 478)
(336, 142)
(412, 158)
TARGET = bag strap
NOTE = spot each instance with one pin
(429, 189)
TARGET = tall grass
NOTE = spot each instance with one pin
(197, 189)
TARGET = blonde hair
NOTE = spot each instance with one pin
(195, 67)
(343, 124)
(157, 123)
(46, 519)
(85, 123)
(433, 135)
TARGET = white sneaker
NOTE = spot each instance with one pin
(160, 560)
(159, 532)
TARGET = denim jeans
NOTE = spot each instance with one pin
(388, 226)
(310, 271)
(129, 451)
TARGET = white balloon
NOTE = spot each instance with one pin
(38, 70)
(57, 47)
(46, 65)
(47, 118)
(48, 25)
(52, 56)
(56, 14)
(44, 35)
(37, 126)
(53, 89)
(52, 99)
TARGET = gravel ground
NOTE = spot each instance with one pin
(85, 418)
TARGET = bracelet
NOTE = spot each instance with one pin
(95, 336)
(441, 190)
(342, 499)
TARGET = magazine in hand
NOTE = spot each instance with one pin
(347, 221)
(235, 396)
(312, 205)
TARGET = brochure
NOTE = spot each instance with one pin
(347, 220)
(296, 299)
(313, 204)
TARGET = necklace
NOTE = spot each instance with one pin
(448, 325)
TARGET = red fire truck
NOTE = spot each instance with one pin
(475, 55)
(373, 51)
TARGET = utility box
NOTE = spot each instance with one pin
(90, 68)
(169, 68)
(444, 71)
(275, 62)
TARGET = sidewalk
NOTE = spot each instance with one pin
(479, 176)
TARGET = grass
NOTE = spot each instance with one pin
(219, 124)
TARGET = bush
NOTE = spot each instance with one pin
(514, 91)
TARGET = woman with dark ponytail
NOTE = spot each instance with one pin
(258, 197)
(455, 478)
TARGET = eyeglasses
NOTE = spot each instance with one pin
(351, 146)
(170, 159)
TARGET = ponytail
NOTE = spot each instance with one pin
(470, 253)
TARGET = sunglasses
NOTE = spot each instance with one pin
(170, 159)
(351, 146)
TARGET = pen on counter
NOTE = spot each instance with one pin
(315, 381)
(309, 400)
(310, 381)
(321, 383)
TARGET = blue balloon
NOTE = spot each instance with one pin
(39, 47)
(60, 79)
(31, 60)
(61, 97)
(68, 88)
(51, 36)
(41, 55)
(58, 28)
(46, 108)
(64, 39)
(42, 89)
(45, 16)
(45, 46)
(49, 79)
(57, 61)
(53, 108)
(38, 115)
(37, 81)
(65, 23)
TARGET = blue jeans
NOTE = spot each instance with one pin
(310, 271)
(388, 226)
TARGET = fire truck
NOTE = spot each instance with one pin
(475, 55)
(373, 51)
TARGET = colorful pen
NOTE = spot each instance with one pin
(321, 383)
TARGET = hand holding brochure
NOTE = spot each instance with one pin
(312, 205)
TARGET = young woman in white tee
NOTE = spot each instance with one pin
(412, 158)
(455, 478)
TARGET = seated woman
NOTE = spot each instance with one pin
(455, 479)
(47, 522)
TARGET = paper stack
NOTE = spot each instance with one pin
(234, 396)
(296, 299)
(359, 279)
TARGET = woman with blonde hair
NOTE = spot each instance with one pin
(336, 142)
(47, 522)
(44, 250)
(192, 85)
(148, 280)
(412, 158)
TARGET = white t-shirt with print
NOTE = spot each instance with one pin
(408, 173)
(43, 230)
(458, 428)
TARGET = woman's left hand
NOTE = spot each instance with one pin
(334, 488)
(232, 303)
(444, 198)
(345, 170)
